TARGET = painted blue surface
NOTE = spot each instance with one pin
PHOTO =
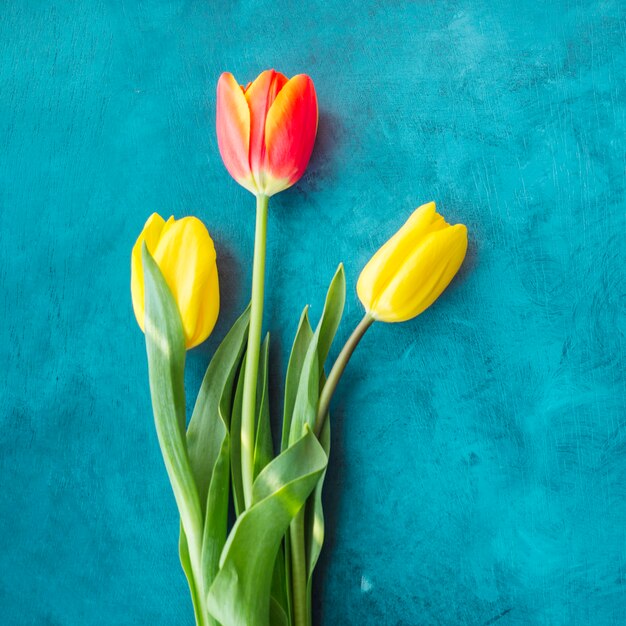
(478, 472)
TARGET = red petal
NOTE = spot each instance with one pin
(260, 95)
(290, 130)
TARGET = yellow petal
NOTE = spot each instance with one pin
(423, 275)
(186, 256)
(150, 234)
(383, 265)
(208, 309)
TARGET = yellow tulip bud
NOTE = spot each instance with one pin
(185, 254)
(413, 268)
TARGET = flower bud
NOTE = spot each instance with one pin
(413, 268)
(185, 254)
(266, 130)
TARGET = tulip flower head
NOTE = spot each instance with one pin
(266, 130)
(185, 254)
(413, 268)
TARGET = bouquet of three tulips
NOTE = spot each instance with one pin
(251, 520)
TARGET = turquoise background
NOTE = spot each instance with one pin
(478, 471)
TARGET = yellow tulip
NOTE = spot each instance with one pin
(413, 268)
(185, 254)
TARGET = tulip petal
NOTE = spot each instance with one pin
(210, 292)
(290, 131)
(383, 266)
(186, 256)
(150, 234)
(260, 95)
(423, 275)
(233, 130)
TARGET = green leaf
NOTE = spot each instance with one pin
(314, 518)
(263, 446)
(207, 427)
(240, 594)
(287, 566)
(305, 538)
(307, 397)
(331, 315)
(278, 617)
(185, 561)
(165, 346)
(235, 443)
(301, 342)
(208, 441)
(294, 370)
(280, 587)
(216, 520)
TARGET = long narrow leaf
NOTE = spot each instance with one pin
(280, 586)
(185, 561)
(278, 617)
(305, 538)
(209, 444)
(294, 370)
(331, 315)
(263, 447)
(165, 345)
(307, 396)
(314, 518)
(299, 349)
(207, 428)
(235, 444)
(216, 520)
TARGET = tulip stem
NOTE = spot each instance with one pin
(337, 370)
(248, 409)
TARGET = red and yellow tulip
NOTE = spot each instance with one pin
(266, 131)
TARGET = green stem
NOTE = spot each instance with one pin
(299, 570)
(337, 370)
(248, 409)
